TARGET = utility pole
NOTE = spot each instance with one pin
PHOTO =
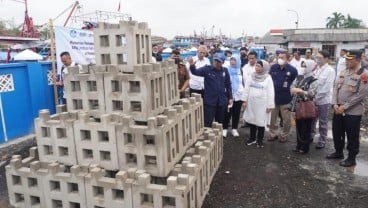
(297, 17)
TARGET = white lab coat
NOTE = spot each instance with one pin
(259, 96)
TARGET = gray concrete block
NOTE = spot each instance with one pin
(125, 44)
(55, 136)
(140, 94)
(95, 140)
(63, 186)
(23, 184)
(178, 192)
(171, 92)
(114, 191)
(85, 91)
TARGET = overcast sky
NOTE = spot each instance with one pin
(170, 18)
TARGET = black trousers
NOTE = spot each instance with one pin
(234, 113)
(256, 132)
(196, 91)
(213, 113)
(303, 134)
(349, 125)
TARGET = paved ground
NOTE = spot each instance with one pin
(276, 177)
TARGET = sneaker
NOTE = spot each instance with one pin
(251, 141)
(260, 144)
(224, 133)
(235, 133)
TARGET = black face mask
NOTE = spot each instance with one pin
(177, 60)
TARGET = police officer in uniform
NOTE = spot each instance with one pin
(351, 87)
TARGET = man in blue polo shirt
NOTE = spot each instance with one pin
(283, 74)
(217, 89)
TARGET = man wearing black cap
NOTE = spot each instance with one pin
(351, 87)
(217, 89)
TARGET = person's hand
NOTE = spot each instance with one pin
(244, 105)
(231, 101)
(295, 91)
(269, 110)
(336, 109)
(190, 61)
(341, 109)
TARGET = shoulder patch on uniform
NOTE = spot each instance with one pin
(364, 77)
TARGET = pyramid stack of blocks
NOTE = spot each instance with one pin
(124, 139)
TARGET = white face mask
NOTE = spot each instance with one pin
(281, 62)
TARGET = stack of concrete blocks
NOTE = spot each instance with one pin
(125, 44)
(159, 145)
(55, 136)
(127, 139)
(188, 182)
(84, 91)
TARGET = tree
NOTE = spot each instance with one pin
(336, 21)
(8, 27)
(351, 22)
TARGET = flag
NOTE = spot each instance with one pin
(119, 6)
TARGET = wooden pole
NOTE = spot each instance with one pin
(53, 60)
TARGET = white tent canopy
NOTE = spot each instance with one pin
(28, 55)
(167, 50)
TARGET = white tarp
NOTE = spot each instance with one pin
(79, 43)
(28, 55)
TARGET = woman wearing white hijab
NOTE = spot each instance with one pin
(305, 89)
(259, 100)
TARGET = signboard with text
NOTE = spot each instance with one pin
(79, 43)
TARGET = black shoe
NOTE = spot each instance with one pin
(320, 146)
(299, 151)
(335, 156)
(251, 141)
(260, 144)
(347, 163)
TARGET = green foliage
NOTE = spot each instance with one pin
(9, 28)
(338, 20)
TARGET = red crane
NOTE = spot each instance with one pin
(28, 29)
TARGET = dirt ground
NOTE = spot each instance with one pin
(276, 177)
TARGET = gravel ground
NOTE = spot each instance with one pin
(273, 177)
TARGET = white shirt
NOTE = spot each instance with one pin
(298, 65)
(197, 82)
(341, 65)
(248, 71)
(325, 77)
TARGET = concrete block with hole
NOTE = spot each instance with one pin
(139, 94)
(55, 136)
(174, 192)
(125, 44)
(113, 190)
(85, 91)
(24, 185)
(95, 140)
(63, 185)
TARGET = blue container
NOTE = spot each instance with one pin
(29, 92)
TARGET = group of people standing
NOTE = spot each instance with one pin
(265, 91)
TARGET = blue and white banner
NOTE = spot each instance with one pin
(79, 43)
